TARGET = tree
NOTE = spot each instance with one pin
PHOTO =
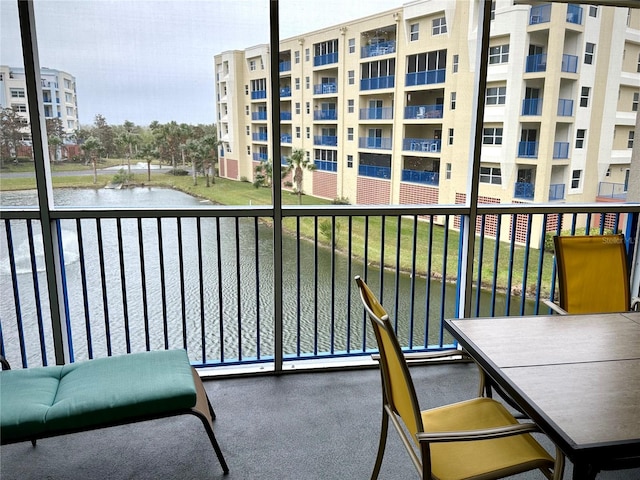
(92, 147)
(264, 174)
(147, 152)
(55, 136)
(297, 162)
(11, 130)
(104, 132)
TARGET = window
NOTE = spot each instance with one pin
(451, 136)
(246, 110)
(447, 171)
(70, 124)
(499, 54)
(350, 133)
(492, 15)
(584, 96)
(496, 95)
(68, 97)
(589, 50)
(634, 102)
(248, 150)
(638, 68)
(252, 65)
(575, 178)
(456, 59)
(297, 83)
(308, 108)
(352, 76)
(67, 83)
(297, 132)
(414, 32)
(593, 11)
(17, 93)
(308, 132)
(248, 130)
(19, 107)
(580, 135)
(350, 106)
(307, 83)
(296, 56)
(453, 100)
(631, 137)
(297, 108)
(491, 175)
(439, 26)
(492, 136)
(352, 45)
(306, 54)
(349, 161)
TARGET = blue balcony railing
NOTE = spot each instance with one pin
(561, 150)
(259, 115)
(427, 77)
(540, 14)
(565, 107)
(374, 171)
(258, 94)
(260, 157)
(574, 14)
(382, 113)
(326, 140)
(377, 83)
(325, 59)
(556, 192)
(536, 63)
(528, 149)
(286, 115)
(325, 115)
(380, 143)
(259, 136)
(524, 190)
(422, 145)
(569, 63)
(616, 191)
(284, 66)
(415, 176)
(532, 106)
(382, 48)
(285, 138)
(326, 166)
(285, 92)
(423, 111)
(325, 88)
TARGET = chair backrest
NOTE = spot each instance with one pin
(398, 390)
(593, 275)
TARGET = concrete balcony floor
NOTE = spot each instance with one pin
(302, 426)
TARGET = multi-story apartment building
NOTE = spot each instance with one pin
(58, 95)
(383, 105)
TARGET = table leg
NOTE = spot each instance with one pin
(584, 471)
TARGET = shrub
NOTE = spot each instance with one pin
(340, 201)
(178, 172)
(122, 177)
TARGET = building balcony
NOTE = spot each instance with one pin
(381, 48)
(574, 14)
(325, 140)
(426, 77)
(325, 115)
(612, 191)
(423, 111)
(285, 115)
(259, 115)
(528, 149)
(260, 157)
(426, 178)
(285, 92)
(569, 63)
(259, 137)
(379, 143)
(326, 59)
(556, 192)
(286, 138)
(326, 166)
(325, 88)
(374, 171)
(284, 66)
(540, 14)
(432, 145)
(532, 106)
(560, 150)
(382, 113)
(565, 107)
(377, 83)
(258, 94)
(536, 63)
(524, 190)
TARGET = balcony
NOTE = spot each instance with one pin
(260, 157)
(325, 115)
(556, 192)
(326, 166)
(524, 190)
(285, 92)
(382, 113)
(427, 77)
(560, 150)
(528, 149)
(381, 48)
(532, 106)
(259, 115)
(325, 140)
(326, 59)
(574, 14)
(258, 94)
(285, 115)
(565, 107)
(432, 145)
(540, 14)
(325, 88)
(286, 138)
(569, 63)
(423, 111)
(259, 137)
(426, 178)
(374, 171)
(536, 63)
(379, 143)
(377, 83)
(612, 191)
(284, 66)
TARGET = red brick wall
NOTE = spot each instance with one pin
(325, 184)
(490, 221)
(413, 194)
(232, 169)
(372, 191)
(222, 162)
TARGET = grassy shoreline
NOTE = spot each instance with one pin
(230, 192)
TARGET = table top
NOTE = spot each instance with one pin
(577, 376)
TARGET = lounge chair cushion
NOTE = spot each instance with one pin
(97, 392)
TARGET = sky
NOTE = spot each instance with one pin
(142, 61)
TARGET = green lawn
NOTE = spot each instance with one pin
(229, 192)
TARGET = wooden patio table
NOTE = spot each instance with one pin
(576, 376)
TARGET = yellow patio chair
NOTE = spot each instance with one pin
(473, 439)
(593, 275)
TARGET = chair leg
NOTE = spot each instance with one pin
(384, 428)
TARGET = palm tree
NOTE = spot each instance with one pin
(92, 147)
(297, 162)
(147, 152)
(264, 174)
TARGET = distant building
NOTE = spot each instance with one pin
(58, 95)
(384, 105)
